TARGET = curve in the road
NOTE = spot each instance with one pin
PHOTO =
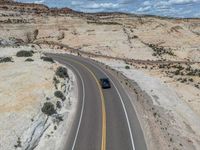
(125, 111)
(122, 131)
(82, 108)
(103, 141)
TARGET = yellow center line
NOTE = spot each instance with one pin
(103, 139)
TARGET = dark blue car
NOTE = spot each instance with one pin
(105, 83)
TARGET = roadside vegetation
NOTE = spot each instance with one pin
(159, 51)
(127, 67)
(29, 60)
(5, 59)
(24, 53)
(62, 72)
(59, 94)
(48, 108)
(181, 72)
(48, 59)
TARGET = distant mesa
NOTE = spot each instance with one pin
(36, 8)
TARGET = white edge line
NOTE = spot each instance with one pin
(127, 119)
(83, 105)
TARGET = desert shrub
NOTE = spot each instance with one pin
(5, 59)
(49, 59)
(191, 80)
(161, 66)
(179, 79)
(194, 72)
(177, 72)
(135, 36)
(154, 54)
(55, 81)
(197, 86)
(58, 118)
(103, 23)
(184, 80)
(48, 109)
(58, 104)
(29, 60)
(47, 98)
(19, 143)
(159, 50)
(127, 67)
(60, 95)
(62, 72)
(24, 53)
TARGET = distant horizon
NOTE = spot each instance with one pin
(163, 8)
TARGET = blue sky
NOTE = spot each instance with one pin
(171, 8)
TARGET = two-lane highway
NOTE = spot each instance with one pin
(106, 119)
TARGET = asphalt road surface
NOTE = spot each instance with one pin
(105, 119)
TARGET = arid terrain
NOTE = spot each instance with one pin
(29, 84)
(161, 55)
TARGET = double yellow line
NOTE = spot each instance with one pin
(103, 139)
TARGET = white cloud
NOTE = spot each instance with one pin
(102, 5)
(146, 3)
(182, 1)
(144, 9)
(95, 5)
(39, 1)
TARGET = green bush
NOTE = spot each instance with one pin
(19, 143)
(197, 86)
(60, 95)
(59, 118)
(29, 60)
(127, 67)
(58, 104)
(48, 109)
(62, 72)
(177, 72)
(24, 53)
(191, 80)
(55, 81)
(5, 59)
(49, 59)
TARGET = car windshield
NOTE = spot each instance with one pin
(105, 80)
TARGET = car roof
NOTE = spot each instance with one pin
(104, 79)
